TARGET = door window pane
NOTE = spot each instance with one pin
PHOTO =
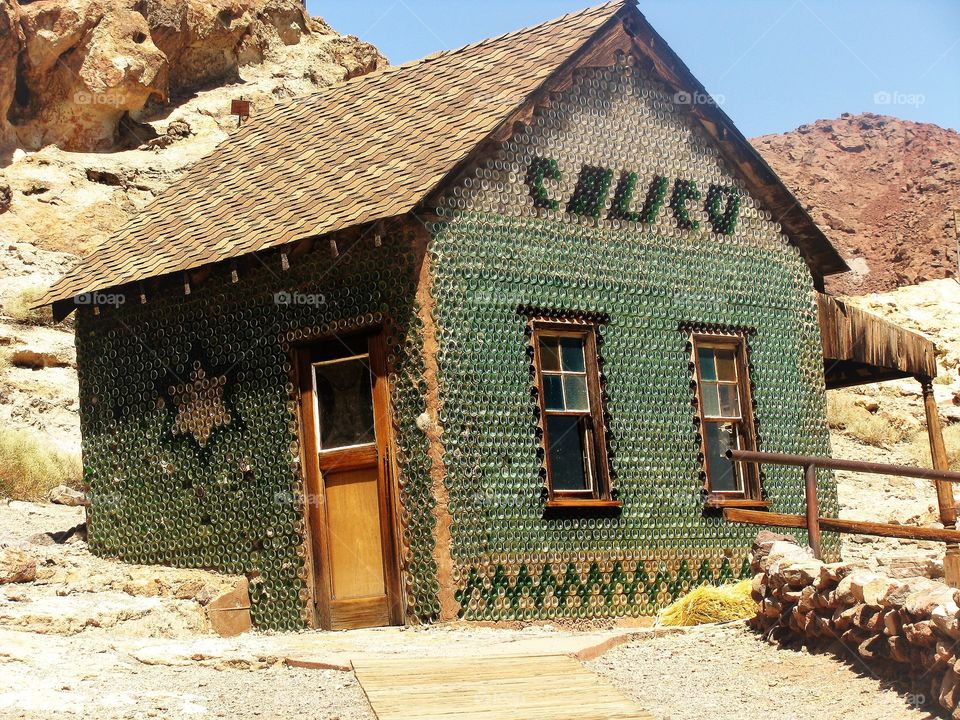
(565, 440)
(344, 402)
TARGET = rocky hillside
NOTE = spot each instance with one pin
(882, 189)
(103, 104)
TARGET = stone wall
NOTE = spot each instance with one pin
(906, 630)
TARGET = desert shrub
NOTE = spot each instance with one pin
(31, 465)
(844, 414)
(920, 447)
(17, 307)
(946, 377)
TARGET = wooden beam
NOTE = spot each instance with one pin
(945, 499)
(857, 527)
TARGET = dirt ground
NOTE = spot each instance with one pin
(88, 679)
(91, 638)
(721, 673)
(730, 674)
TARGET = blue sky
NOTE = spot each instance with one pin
(771, 64)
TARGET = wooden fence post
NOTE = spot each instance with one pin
(813, 509)
(948, 507)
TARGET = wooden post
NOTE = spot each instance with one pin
(813, 509)
(948, 507)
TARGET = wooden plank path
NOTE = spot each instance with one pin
(529, 687)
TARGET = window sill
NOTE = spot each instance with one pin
(577, 502)
(577, 507)
(722, 502)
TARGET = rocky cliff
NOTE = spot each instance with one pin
(85, 74)
(882, 189)
(103, 104)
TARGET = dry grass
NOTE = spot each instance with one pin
(30, 465)
(709, 604)
(18, 307)
(920, 447)
(877, 429)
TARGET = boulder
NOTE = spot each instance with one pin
(920, 604)
(761, 548)
(6, 195)
(801, 574)
(17, 566)
(944, 618)
(850, 589)
(63, 495)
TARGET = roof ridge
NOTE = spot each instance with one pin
(520, 31)
(437, 55)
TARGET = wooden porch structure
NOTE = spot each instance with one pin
(861, 348)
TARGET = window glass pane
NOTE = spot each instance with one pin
(711, 399)
(553, 392)
(719, 438)
(705, 358)
(549, 354)
(730, 400)
(344, 402)
(571, 351)
(565, 446)
(576, 392)
(726, 364)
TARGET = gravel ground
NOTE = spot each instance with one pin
(88, 680)
(729, 673)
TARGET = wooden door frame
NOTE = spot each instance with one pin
(315, 517)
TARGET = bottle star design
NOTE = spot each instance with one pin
(200, 406)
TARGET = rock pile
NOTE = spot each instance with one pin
(905, 629)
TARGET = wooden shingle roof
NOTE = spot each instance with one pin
(369, 148)
(376, 146)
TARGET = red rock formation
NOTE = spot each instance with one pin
(882, 189)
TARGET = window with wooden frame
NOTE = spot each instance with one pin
(571, 409)
(725, 418)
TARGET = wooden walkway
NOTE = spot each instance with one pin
(535, 687)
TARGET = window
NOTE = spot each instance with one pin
(574, 442)
(725, 419)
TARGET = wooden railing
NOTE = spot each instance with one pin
(812, 520)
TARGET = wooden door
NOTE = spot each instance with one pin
(345, 406)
